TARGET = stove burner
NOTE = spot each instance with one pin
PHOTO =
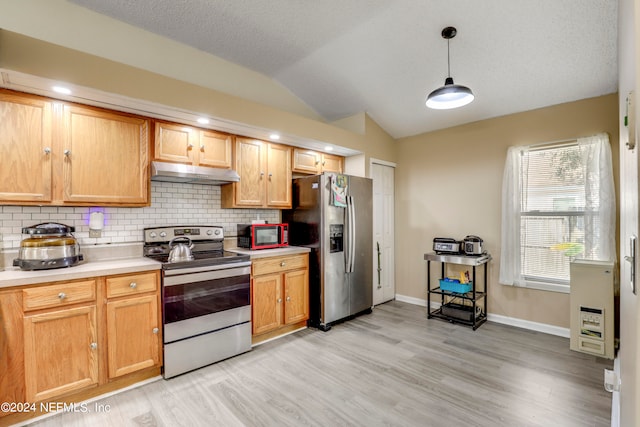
(201, 259)
(207, 250)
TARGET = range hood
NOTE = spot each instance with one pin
(187, 174)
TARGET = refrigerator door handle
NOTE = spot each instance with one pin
(347, 237)
(352, 233)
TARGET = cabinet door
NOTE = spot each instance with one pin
(266, 306)
(12, 387)
(105, 157)
(60, 352)
(279, 176)
(296, 296)
(133, 334)
(331, 163)
(251, 166)
(214, 149)
(306, 161)
(25, 149)
(174, 143)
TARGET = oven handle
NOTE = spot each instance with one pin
(182, 279)
(187, 270)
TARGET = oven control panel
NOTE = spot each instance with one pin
(165, 234)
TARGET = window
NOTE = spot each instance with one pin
(558, 204)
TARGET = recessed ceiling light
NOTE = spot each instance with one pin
(274, 136)
(62, 90)
(328, 148)
(203, 121)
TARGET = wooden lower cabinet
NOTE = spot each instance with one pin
(132, 348)
(296, 296)
(60, 352)
(280, 295)
(72, 340)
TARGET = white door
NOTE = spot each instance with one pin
(384, 287)
(628, 352)
(626, 403)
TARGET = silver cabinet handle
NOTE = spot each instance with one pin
(133, 285)
(202, 147)
(288, 298)
(47, 150)
(261, 174)
(190, 146)
(93, 345)
(62, 295)
(67, 152)
(279, 300)
(155, 330)
(282, 264)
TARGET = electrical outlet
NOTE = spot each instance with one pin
(95, 233)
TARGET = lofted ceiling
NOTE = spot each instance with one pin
(343, 57)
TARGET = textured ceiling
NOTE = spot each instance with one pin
(343, 57)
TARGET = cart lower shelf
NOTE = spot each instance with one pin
(475, 324)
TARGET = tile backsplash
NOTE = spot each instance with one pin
(171, 204)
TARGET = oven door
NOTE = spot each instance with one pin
(197, 302)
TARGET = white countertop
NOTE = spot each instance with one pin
(13, 276)
(265, 253)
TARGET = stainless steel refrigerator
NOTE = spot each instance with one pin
(332, 215)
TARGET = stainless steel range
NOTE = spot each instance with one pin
(205, 296)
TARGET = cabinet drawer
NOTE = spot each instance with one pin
(58, 295)
(279, 264)
(131, 284)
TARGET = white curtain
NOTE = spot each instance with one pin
(600, 207)
(600, 198)
(510, 266)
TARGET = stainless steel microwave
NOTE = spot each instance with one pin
(263, 236)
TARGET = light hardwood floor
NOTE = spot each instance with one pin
(392, 367)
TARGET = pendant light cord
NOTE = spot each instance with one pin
(448, 59)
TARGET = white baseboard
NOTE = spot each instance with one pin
(498, 318)
(411, 300)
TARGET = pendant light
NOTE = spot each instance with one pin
(450, 95)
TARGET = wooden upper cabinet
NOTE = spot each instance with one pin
(265, 176)
(278, 176)
(26, 148)
(215, 149)
(192, 146)
(332, 163)
(314, 162)
(59, 153)
(306, 161)
(250, 165)
(174, 143)
(105, 157)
